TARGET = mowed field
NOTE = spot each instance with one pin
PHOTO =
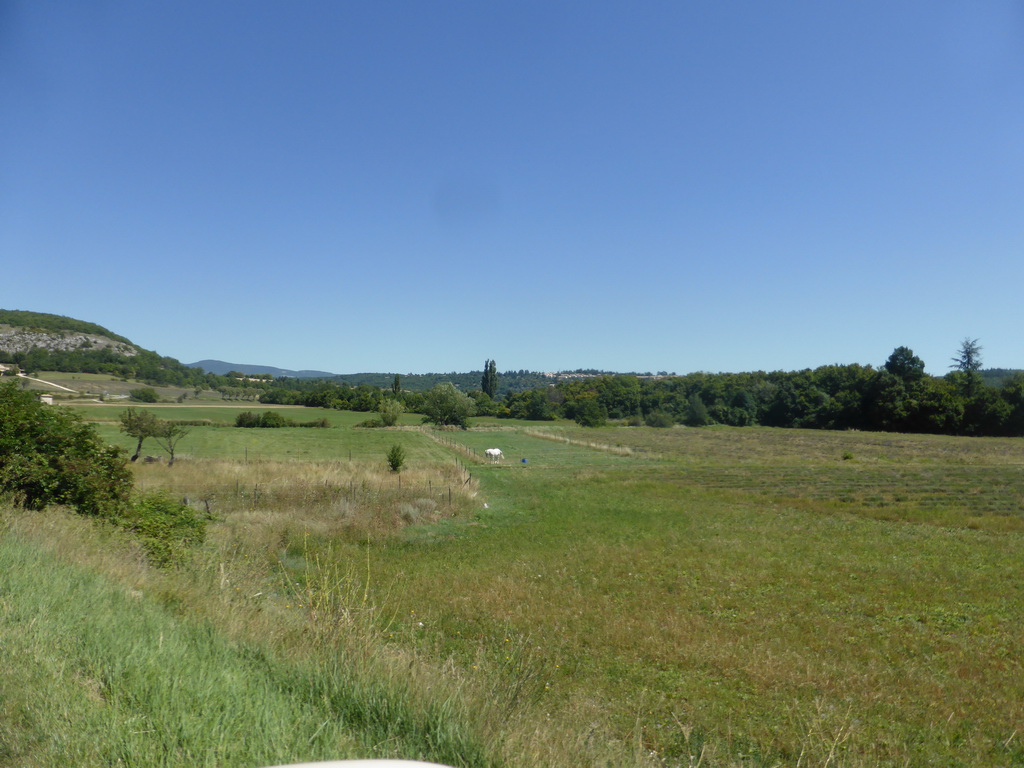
(755, 590)
(681, 596)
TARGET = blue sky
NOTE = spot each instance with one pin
(417, 186)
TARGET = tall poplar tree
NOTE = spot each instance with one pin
(489, 382)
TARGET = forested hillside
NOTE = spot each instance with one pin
(36, 341)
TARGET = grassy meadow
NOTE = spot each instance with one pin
(614, 596)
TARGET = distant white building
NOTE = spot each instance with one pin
(46, 399)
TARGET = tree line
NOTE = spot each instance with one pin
(898, 397)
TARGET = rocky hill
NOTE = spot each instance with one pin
(35, 341)
(14, 340)
(21, 332)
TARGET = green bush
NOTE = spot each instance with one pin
(166, 528)
(389, 410)
(273, 420)
(247, 420)
(144, 395)
(268, 420)
(659, 419)
(49, 456)
(396, 458)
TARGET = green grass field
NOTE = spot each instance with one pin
(641, 596)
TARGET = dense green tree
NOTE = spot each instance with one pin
(364, 397)
(485, 406)
(940, 408)
(278, 396)
(696, 412)
(326, 395)
(590, 413)
(445, 406)
(619, 395)
(905, 365)
(891, 406)
(1012, 393)
(985, 412)
(532, 405)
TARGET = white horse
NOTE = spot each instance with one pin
(494, 454)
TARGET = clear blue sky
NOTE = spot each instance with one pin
(416, 186)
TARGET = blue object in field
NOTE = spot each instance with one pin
(524, 461)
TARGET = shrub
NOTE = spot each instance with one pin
(389, 410)
(396, 458)
(247, 420)
(273, 420)
(144, 395)
(267, 420)
(166, 528)
(659, 419)
(49, 456)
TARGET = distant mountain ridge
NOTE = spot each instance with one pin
(221, 368)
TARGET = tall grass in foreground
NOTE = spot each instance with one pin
(91, 674)
(235, 661)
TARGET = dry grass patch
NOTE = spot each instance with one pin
(329, 496)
